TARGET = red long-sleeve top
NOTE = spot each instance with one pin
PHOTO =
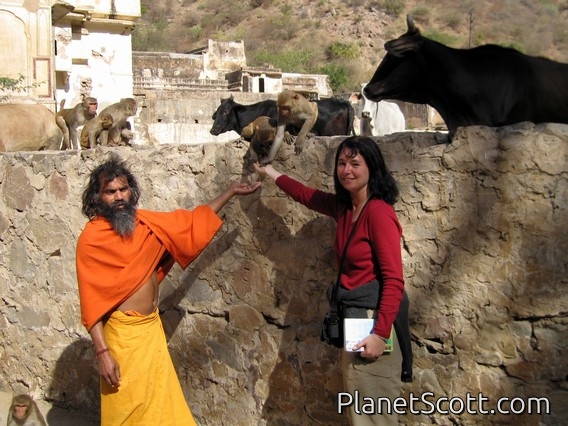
(378, 232)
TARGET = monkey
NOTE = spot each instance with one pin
(69, 119)
(24, 412)
(93, 129)
(366, 128)
(119, 132)
(296, 110)
(261, 133)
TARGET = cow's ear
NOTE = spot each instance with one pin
(231, 98)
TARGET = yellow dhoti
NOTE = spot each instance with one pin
(149, 393)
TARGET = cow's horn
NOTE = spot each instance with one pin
(410, 24)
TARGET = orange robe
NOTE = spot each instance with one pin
(110, 268)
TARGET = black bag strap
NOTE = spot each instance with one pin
(333, 300)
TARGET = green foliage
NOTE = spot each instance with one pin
(440, 37)
(8, 84)
(549, 6)
(150, 39)
(12, 84)
(284, 27)
(15, 84)
(479, 39)
(286, 10)
(514, 45)
(343, 50)
(338, 79)
(296, 60)
(195, 32)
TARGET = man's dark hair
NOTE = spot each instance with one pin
(111, 169)
(381, 183)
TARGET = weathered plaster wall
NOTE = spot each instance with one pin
(485, 253)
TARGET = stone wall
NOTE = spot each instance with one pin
(485, 254)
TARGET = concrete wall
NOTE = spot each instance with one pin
(183, 117)
(485, 256)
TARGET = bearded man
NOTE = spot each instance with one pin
(123, 254)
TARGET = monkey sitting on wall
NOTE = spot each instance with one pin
(296, 110)
(260, 133)
(93, 128)
(366, 127)
(120, 133)
(70, 119)
(24, 412)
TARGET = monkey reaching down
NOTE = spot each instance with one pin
(24, 412)
(296, 110)
(261, 133)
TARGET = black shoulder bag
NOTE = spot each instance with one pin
(332, 326)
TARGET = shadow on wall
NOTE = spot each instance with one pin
(75, 385)
(303, 363)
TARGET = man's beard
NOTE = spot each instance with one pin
(121, 219)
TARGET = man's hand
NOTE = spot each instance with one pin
(244, 188)
(234, 188)
(109, 369)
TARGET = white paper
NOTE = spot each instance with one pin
(355, 330)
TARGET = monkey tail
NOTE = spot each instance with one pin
(350, 119)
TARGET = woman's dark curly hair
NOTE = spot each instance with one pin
(111, 169)
(381, 183)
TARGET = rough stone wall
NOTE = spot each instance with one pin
(485, 255)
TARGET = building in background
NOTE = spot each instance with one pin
(221, 65)
(26, 49)
(65, 50)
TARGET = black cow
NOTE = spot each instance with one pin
(487, 85)
(231, 115)
(335, 116)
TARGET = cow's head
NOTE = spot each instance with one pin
(398, 76)
(223, 117)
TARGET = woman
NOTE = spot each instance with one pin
(372, 265)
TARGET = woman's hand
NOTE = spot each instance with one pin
(267, 170)
(373, 345)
